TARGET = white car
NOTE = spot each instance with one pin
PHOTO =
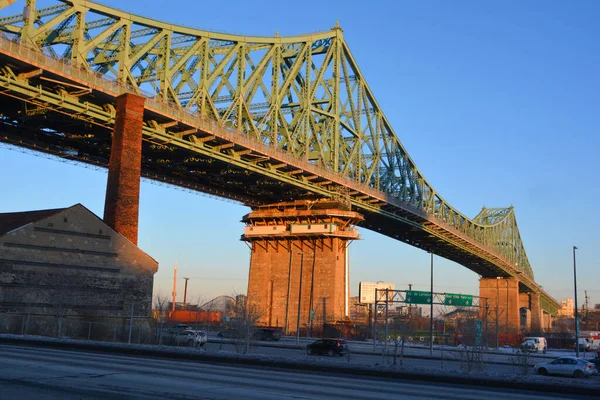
(189, 337)
(201, 338)
(570, 366)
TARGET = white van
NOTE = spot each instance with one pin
(535, 344)
(592, 338)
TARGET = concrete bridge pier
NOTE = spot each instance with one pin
(502, 295)
(121, 207)
(299, 261)
(531, 313)
(516, 311)
(536, 313)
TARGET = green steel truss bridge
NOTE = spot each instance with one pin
(256, 120)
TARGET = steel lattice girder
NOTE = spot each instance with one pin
(302, 95)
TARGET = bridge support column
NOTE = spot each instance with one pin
(525, 311)
(536, 314)
(121, 207)
(503, 297)
(299, 261)
(547, 321)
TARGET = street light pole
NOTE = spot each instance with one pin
(312, 285)
(431, 312)
(287, 301)
(506, 308)
(299, 301)
(576, 313)
(497, 310)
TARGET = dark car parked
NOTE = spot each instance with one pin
(229, 334)
(596, 361)
(330, 347)
(267, 334)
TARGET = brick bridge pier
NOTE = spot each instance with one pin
(299, 254)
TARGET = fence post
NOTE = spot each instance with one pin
(114, 333)
(375, 320)
(130, 324)
(89, 330)
(402, 351)
(27, 323)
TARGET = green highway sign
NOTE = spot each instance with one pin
(453, 299)
(416, 297)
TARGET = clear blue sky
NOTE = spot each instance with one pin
(498, 103)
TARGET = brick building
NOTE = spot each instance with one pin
(69, 261)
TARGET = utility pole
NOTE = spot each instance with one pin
(174, 287)
(587, 306)
(185, 293)
(410, 306)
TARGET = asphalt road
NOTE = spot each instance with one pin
(446, 364)
(43, 373)
(363, 354)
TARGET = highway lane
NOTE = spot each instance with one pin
(494, 357)
(363, 359)
(43, 373)
(449, 363)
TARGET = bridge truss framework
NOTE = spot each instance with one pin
(257, 120)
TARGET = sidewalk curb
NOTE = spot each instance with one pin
(448, 378)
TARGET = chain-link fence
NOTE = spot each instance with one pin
(141, 330)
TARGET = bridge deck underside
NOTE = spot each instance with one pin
(71, 139)
(424, 239)
(78, 138)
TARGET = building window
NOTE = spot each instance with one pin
(65, 220)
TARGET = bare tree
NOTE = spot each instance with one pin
(246, 315)
(470, 355)
(160, 314)
(522, 360)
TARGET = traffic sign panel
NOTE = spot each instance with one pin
(453, 299)
(416, 297)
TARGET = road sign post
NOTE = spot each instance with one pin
(478, 326)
